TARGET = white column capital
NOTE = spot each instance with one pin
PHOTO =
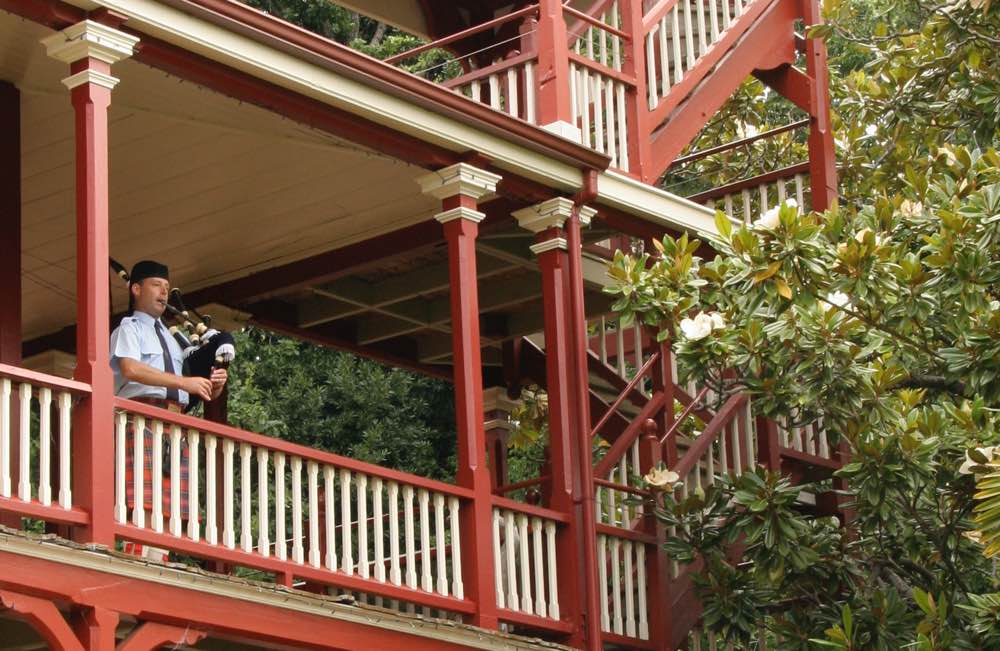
(552, 213)
(89, 39)
(550, 244)
(461, 212)
(460, 178)
(90, 77)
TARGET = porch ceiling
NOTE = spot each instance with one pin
(215, 188)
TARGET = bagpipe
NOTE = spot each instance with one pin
(204, 348)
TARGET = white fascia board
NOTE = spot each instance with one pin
(653, 204)
(284, 69)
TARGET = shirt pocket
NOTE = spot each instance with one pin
(152, 353)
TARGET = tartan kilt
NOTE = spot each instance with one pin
(147, 464)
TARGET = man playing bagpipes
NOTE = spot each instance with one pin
(148, 364)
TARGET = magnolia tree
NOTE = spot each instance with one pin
(881, 319)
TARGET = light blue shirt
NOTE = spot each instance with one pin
(136, 339)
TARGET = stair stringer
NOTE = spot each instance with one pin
(766, 44)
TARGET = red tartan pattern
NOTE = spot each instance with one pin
(147, 483)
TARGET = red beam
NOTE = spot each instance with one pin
(220, 616)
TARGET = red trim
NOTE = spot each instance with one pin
(43, 379)
(33, 509)
(271, 564)
(630, 642)
(44, 617)
(152, 635)
(554, 102)
(536, 622)
(530, 509)
(220, 615)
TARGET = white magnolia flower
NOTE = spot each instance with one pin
(910, 208)
(838, 299)
(718, 323)
(661, 477)
(771, 219)
(988, 452)
(697, 328)
(768, 221)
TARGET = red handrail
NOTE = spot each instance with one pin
(684, 414)
(628, 389)
(718, 149)
(465, 33)
(43, 379)
(752, 182)
(279, 445)
(587, 18)
(527, 483)
(711, 432)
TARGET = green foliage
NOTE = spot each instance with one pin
(879, 318)
(344, 404)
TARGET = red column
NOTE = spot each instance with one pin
(636, 99)
(10, 255)
(546, 221)
(90, 48)
(822, 154)
(554, 109)
(460, 187)
(578, 328)
(10, 223)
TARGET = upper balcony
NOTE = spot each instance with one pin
(312, 191)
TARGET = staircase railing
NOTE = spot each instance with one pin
(750, 198)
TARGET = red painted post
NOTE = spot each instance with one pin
(636, 99)
(10, 223)
(459, 187)
(90, 48)
(554, 109)
(657, 561)
(578, 338)
(546, 221)
(822, 154)
(663, 381)
(10, 255)
(496, 411)
(768, 451)
(95, 628)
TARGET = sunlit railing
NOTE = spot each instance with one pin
(36, 416)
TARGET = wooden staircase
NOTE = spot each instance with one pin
(638, 413)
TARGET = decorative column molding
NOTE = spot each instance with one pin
(90, 49)
(460, 187)
(555, 104)
(546, 220)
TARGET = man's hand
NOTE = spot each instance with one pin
(218, 379)
(198, 386)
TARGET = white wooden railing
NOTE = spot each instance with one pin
(598, 83)
(36, 415)
(623, 583)
(508, 86)
(525, 562)
(677, 34)
(274, 501)
(810, 439)
(749, 199)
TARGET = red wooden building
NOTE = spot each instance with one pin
(459, 230)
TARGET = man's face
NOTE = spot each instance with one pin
(151, 296)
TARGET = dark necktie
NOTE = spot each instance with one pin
(168, 361)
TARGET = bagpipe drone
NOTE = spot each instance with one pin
(204, 347)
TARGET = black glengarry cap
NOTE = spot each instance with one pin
(148, 269)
